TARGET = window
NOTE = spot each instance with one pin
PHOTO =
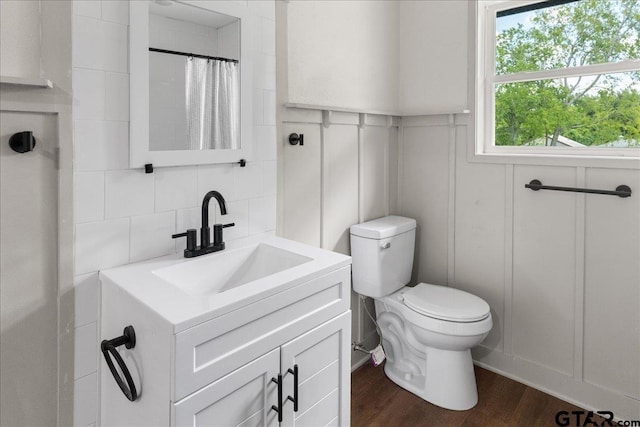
(559, 77)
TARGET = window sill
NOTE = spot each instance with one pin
(631, 161)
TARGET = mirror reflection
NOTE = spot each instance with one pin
(194, 78)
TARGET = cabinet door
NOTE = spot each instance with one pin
(242, 398)
(324, 388)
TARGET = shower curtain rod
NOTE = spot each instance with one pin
(193, 55)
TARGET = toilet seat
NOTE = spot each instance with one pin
(441, 326)
(444, 303)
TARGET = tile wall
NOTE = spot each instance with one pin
(123, 215)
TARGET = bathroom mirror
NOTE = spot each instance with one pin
(188, 83)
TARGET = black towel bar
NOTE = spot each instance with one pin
(620, 191)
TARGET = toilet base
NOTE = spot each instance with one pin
(449, 380)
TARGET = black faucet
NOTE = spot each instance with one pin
(206, 246)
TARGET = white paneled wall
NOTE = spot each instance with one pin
(124, 215)
(340, 176)
(559, 270)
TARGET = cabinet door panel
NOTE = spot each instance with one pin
(244, 397)
(322, 412)
(323, 359)
(314, 389)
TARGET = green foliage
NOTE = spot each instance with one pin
(592, 110)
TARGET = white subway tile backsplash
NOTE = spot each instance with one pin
(127, 193)
(116, 11)
(258, 106)
(86, 299)
(90, 8)
(88, 94)
(89, 197)
(89, 35)
(117, 96)
(100, 145)
(268, 36)
(85, 350)
(262, 215)
(151, 235)
(269, 107)
(264, 142)
(269, 178)
(248, 180)
(175, 188)
(238, 213)
(114, 51)
(190, 218)
(265, 9)
(216, 177)
(101, 245)
(266, 77)
(85, 400)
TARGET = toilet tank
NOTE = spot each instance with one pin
(382, 255)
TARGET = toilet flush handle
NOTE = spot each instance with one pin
(385, 245)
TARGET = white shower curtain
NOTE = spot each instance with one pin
(213, 104)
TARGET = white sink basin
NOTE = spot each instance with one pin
(228, 270)
(187, 292)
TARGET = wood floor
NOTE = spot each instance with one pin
(377, 401)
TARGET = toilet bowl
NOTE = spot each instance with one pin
(428, 356)
(427, 330)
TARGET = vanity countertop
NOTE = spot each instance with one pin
(184, 309)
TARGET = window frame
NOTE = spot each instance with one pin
(486, 81)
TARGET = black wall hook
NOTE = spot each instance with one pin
(22, 142)
(108, 347)
(295, 139)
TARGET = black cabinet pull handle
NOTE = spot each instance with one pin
(128, 339)
(278, 408)
(294, 399)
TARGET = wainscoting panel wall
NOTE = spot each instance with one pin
(560, 270)
(342, 175)
(544, 268)
(301, 180)
(340, 197)
(612, 284)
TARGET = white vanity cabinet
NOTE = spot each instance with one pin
(221, 368)
(248, 396)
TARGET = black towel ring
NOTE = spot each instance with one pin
(109, 347)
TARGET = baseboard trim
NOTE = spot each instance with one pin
(580, 393)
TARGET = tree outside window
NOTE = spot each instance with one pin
(566, 74)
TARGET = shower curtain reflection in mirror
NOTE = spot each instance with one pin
(212, 104)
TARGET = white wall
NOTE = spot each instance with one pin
(35, 44)
(20, 38)
(342, 54)
(340, 177)
(346, 172)
(559, 270)
(432, 56)
(124, 215)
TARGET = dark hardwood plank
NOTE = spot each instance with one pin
(502, 402)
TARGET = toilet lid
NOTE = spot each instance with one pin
(442, 302)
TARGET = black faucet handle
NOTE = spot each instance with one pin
(217, 232)
(190, 234)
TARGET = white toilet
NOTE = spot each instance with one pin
(427, 330)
